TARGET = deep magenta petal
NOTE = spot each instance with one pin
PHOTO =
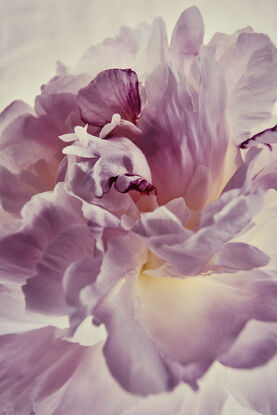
(114, 91)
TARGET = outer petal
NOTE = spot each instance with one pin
(188, 33)
(43, 291)
(112, 91)
(13, 316)
(254, 389)
(250, 67)
(23, 359)
(44, 218)
(119, 52)
(42, 374)
(13, 192)
(130, 354)
(255, 346)
(84, 392)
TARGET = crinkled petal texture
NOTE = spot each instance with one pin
(185, 135)
(30, 150)
(103, 162)
(140, 203)
(207, 311)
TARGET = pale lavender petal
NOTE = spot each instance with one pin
(188, 33)
(103, 162)
(44, 291)
(13, 316)
(250, 67)
(254, 389)
(129, 353)
(25, 357)
(237, 256)
(86, 390)
(255, 346)
(156, 51)
(44, 218)
(189, 252)
(190, 144)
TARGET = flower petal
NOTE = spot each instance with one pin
(112, 91)
(255, 346)
(130, 354)
(104, 162)
(186, 252)
(24, 359)
(44, 218)
(44, 291)
(236, 256)
(13, 192)
(190, 144)
(188, 33)
(250, 66)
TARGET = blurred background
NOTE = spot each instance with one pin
(34, 34)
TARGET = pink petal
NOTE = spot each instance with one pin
(130, 354)
(14, 193)
(44, 291)
(25, 358)
(44, 218)
(237, 256)
(255, 346)
(250, 67)
(190, 144)
(188, 33)
(112, 91)
(104, 162)
(188, 252)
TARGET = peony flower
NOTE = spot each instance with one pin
(137, 262)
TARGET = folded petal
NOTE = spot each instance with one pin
(104, 162)
(44, 374)
(188, 252)
(44, 218)
(236, 256)
(24, 358)
(189, 143)
(44, 291)
(112, 91)
(13, 192)
(130, 353)
(255, 346)
(13, 316)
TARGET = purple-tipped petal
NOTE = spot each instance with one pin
(112, 91)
